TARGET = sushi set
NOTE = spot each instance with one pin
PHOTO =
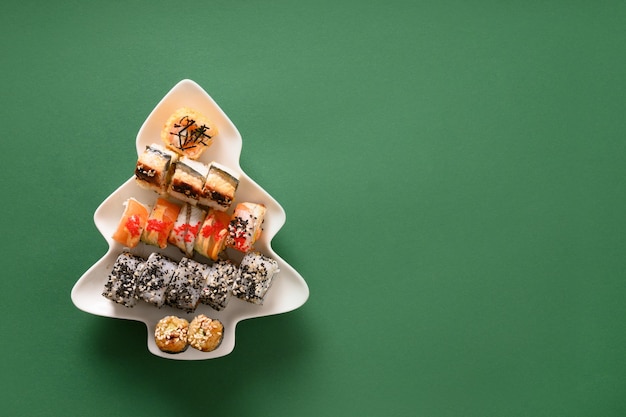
(189, 236)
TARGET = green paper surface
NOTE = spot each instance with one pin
(453, 178)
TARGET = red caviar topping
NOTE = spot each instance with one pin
(187, 231)
(133, 225)
(213, 229)
(240, 243)
(155, 225)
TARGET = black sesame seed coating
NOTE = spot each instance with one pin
(121, 283)
(155, 278)
(186, 285)
(256, 273)
(220, 280)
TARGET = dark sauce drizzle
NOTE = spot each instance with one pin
(189, 137)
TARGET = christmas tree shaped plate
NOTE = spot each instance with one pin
(288, 290)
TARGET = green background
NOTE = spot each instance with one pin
(453, 175)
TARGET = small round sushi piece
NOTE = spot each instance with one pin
(171, 333)
(188, 132)
(205, 334)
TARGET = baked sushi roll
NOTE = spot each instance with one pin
(245, 226)
(186, 228)
(186, 285)
(188, 180)
(188, 132)
(256, 273)
(132, 223)
(160, 223)
(211, 238)
(170, 334)
(154, 168)
(205, 334)
(154, 278)
(219, 187)
(219, 284)
(121, 282)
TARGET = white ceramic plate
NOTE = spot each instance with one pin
(289, 290)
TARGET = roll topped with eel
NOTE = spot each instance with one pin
(155, 167)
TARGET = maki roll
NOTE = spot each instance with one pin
(219, 284)
(245, 226)
(219, 187)
(256, 272)
(205, 334)
(170, 334)
(132, 223)
(186, 228)
(188, 179)
(212, 235)
(188, 133)
(154, 278)
(154, 168)
(186, 285)
(160, 223)
(122, 280)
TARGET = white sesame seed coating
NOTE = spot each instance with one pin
(205, 334)
(170, 334)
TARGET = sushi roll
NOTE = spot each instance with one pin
(121, 283)
(219, 284)
(170, 334)
(132, 223)
(186, 228)
(154, 278)
(245, 226)
(160, 223)
(188, 180)
(186, 285)
(188, 133)
(256, 273)
(212, 235)
(154, 168)
(219, 187)
(205, 334)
